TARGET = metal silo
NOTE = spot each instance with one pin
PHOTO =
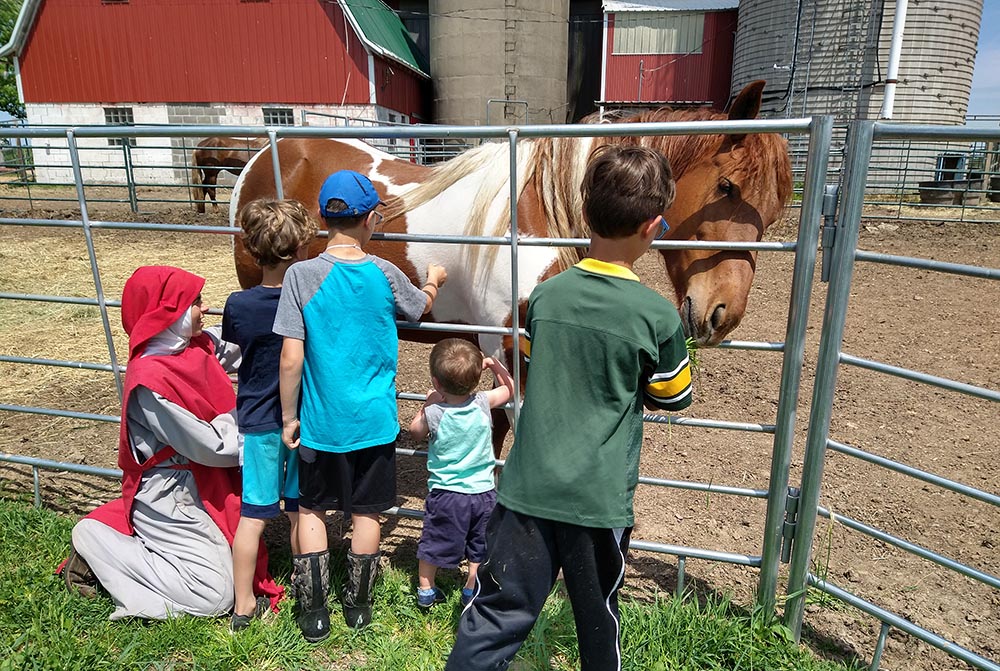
(511, 51)
(831, 57)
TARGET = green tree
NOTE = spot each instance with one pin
(9, 102)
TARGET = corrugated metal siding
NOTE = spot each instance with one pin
(703, 77)
(401, 89)
(193, 51)
(658, 33)
(838, 69)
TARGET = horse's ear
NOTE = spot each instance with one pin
(747, 105)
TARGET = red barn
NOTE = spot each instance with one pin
(247, 62)
(668, 52)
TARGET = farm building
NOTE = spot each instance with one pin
(668, 52)
(115, 62)
(821, 57)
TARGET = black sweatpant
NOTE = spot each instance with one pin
(523, 558)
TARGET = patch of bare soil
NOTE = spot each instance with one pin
(940, 324)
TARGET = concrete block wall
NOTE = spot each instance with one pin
(100, 162)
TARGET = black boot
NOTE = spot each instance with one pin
(311, 585)
(359, 591)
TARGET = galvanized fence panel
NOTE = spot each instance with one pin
(845, 254)
(792, 348)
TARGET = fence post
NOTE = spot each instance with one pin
(74, 155)
(129, 175)
(515, 314)
(272, 137)
(834, 316)
(810, 216)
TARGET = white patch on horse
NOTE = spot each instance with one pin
(483, 297)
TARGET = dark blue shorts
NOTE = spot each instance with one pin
(455, 527)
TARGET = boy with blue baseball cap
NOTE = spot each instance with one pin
(337, 314)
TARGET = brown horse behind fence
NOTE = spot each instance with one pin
(212, 156)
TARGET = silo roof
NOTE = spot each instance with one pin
(669, 5)
(382, 31)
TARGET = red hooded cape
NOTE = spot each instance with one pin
(153, 299)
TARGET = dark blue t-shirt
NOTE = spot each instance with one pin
(247, 321)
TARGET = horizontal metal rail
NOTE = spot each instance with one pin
(929, 264)
(709, 423)
(903, 625)
(649, 546)
(904, 131)
(59, 363)
(930, 478)
(696, 553)
(707, 487)
(913, 548)
(51, 465)
(916, 376)
(797, 126)
(658, 419)
(52, 412)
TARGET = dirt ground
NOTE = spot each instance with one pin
(939, 324)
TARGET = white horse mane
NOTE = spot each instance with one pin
(554, 166)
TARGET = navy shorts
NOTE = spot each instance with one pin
(359, 483)
(455, 527)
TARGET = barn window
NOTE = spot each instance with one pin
(119, 116)
(278, 116)
(659, 33)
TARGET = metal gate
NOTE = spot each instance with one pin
(845, 253)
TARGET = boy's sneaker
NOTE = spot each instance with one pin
(260, 609)
(428, 597)
(467, 594)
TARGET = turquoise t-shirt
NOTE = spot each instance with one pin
(460, 453)
(345, 312)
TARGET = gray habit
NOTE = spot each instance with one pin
(178, 561)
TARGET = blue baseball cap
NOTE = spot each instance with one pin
(351, 187)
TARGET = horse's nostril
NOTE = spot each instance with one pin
(718, 315)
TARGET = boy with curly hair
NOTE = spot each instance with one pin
(277, 234)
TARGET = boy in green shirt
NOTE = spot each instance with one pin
(599, 346)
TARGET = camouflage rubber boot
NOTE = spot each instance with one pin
(311, 585)
(360, 589)
(77, 575)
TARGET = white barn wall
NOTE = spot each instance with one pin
(155, 160)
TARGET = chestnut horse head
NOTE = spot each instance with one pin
(728, 188)
(213, 155)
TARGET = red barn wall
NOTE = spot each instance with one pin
(179, 51)
(401, 89)
(676, 77)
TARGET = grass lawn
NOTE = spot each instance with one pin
(43, 626)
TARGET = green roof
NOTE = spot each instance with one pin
(381, 28)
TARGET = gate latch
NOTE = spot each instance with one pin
(830, 193)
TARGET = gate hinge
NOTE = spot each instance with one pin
(790, 524)
(829, 236)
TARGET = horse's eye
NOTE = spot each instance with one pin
(725, 186)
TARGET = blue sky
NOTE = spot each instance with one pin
(985, 97)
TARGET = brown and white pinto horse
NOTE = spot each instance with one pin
(729, 188)
(212, 156)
